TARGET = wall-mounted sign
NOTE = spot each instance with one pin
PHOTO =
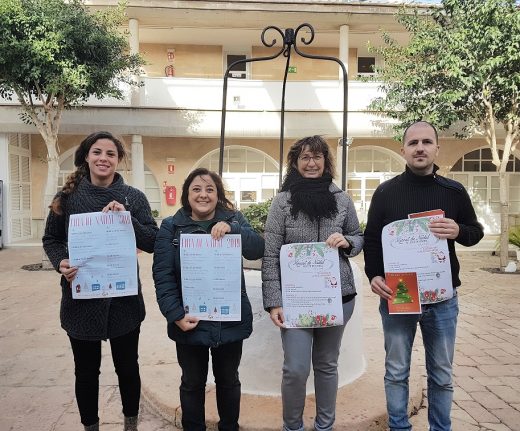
(171, 169)
(291, 69)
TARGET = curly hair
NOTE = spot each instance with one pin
(82, 169)
(222, 201)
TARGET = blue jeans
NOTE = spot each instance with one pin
(194, 363)
(438, 324)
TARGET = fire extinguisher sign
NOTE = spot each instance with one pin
(171, 195)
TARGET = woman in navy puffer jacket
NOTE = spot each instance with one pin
(205, 209)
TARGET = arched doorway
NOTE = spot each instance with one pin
(477, 173)
(152, 190)
(250, 175)
(368, 167)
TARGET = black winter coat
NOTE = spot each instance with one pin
(100, 318)
(167, 278)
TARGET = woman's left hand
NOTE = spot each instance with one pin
(337, 240)
(114, 206)
(220, 229)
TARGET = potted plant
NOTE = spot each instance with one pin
(514, 239)
(256, 214)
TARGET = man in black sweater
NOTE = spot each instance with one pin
(420, 189)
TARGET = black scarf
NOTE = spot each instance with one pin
(310, 196)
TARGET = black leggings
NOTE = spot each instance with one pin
(87, 362)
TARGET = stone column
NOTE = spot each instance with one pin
(343, 48)
(339, 154)
(4, 193)
(133, 26)
(138, 162)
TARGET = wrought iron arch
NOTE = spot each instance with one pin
(289, 38)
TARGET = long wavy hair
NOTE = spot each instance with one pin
(82, 169)
(222, 201)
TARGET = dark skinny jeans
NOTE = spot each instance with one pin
(87, 363)
(225, 360)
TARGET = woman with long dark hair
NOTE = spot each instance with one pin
(310, 208)
(96, 186)
(205, 210)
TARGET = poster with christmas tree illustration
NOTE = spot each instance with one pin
(410, 246)
(405, 296)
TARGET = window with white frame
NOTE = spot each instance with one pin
(250, 175)
(476, 171)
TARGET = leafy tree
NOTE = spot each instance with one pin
(461, 68)
(55, 54)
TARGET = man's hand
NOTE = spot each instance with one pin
(187, 323)
(276, 314)
(380, 288)
(444, 228)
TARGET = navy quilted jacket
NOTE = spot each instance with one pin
(167, 277)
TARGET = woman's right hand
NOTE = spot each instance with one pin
(187, 323)
(276, 314)
(69, 272)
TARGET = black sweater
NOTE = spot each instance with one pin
(409, 193)
(103, 318)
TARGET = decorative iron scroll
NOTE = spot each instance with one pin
(289, 38)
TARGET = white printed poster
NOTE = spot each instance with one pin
(102, 246)
(211, 274)
(409, 246)
(311, 285)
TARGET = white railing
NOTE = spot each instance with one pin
(255, 95)
(246, 95)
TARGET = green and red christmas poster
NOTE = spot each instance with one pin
(405, 297)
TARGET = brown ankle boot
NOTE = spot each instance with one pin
(130, 423)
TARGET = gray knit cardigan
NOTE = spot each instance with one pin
(282, 228)
(104, 318)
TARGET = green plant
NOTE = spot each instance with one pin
(514, 236)
(256, 214)
(155, 213)
(362, 225)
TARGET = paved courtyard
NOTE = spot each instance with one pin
(36, 372)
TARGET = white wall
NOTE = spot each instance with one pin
(4, 176)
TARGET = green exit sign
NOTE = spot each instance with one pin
(292, 69)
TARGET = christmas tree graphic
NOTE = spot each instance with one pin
(402, 297)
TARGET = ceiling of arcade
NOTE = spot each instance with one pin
(240, 23)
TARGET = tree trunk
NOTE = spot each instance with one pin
(51, 185)
(504, 220)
